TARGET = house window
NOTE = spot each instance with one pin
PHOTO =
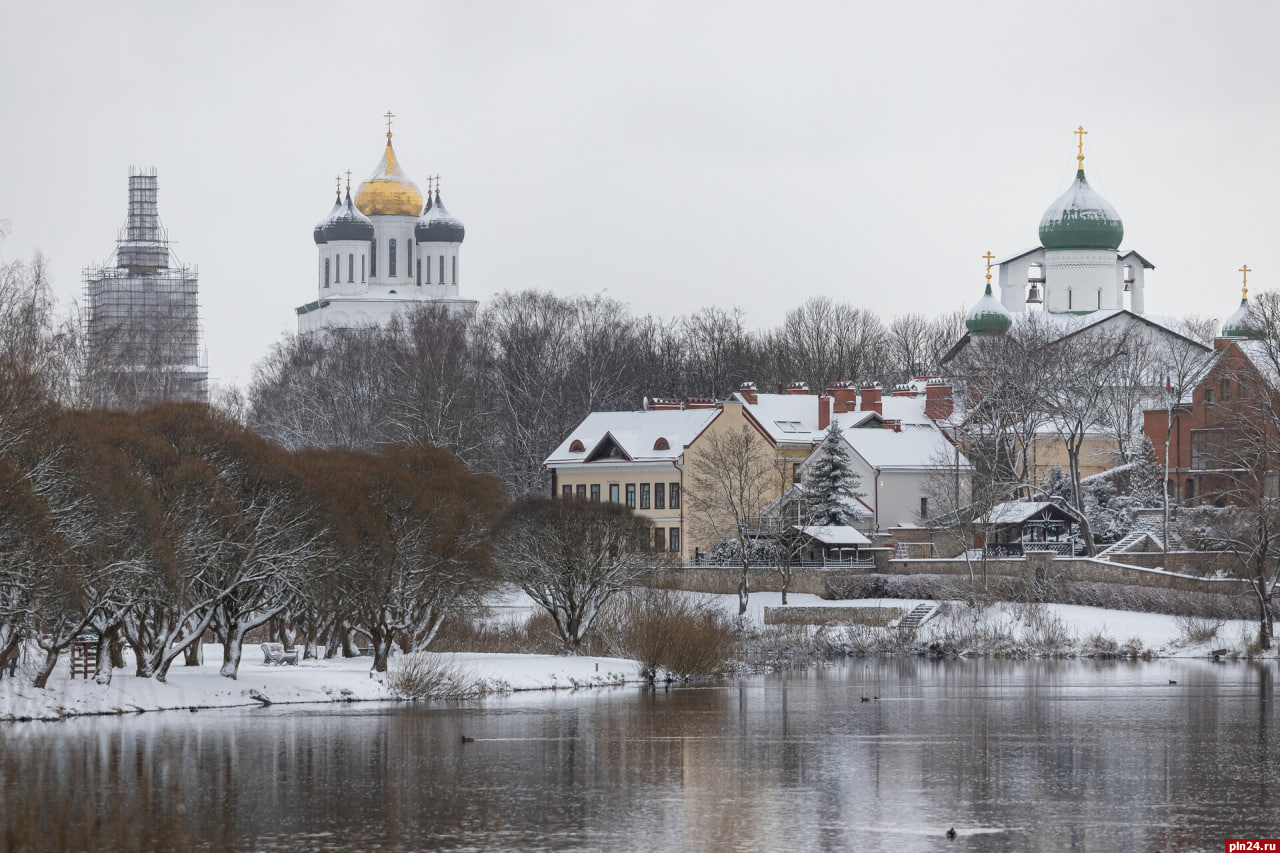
(644, 495)
(326, 272)
(659, 495)
(675, 538)
(631, 495)
(659, 538)
(373, 259)
(924, 508)
(613, 493)
(391, 258)
(567, 491)
(577, 446)
(582, 492)
(351, 268)
(1208, 397)
(455, 269)
(674, 492)
(1226, 390)
(442, 269)
(661, 444)
(595, 491)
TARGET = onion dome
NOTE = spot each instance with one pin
(347, 223)
(1242, 323)
(1081, 218)
(388, 191)
(318, 233)
(438, 225)
(988, 317)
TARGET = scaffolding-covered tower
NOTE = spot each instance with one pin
(143, 322)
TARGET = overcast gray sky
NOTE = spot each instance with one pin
(672, 155)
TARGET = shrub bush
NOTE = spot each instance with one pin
(428, 676)
(1194, 630)
(665, 631)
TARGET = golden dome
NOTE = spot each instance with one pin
(388, 191)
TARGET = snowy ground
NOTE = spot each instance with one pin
(311, 681)
(349, 680)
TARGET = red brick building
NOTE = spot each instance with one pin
(1223, 440)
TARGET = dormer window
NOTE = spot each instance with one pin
(577, 447)
(661, 444)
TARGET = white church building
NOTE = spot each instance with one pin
(384, 252)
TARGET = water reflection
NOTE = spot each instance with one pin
(1052, 755)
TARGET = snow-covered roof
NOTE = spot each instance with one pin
(834, 534)
(916, 446)
(787, 418)
(854, 507)
(635, 433)
(1016, 512)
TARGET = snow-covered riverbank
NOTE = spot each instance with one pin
(1000, 628)
(335, 680)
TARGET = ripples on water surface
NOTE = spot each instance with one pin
(1058, 755)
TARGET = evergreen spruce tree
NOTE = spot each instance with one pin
(831, 482)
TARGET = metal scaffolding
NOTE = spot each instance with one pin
(142, 323)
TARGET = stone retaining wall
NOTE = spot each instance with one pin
(1042, 565)
(876, 617)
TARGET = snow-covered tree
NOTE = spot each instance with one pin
(831, 483)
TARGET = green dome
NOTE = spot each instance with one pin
(988, 317)
(1081, 219)
(1241, 323)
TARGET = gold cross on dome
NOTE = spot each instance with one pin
(988, 256)
(389, 116)
(1245, 284)
(348, 180)
(338, 178)
(437, 180)
(1080, 133)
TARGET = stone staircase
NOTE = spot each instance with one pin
(919, 614)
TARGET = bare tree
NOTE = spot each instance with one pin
(732, 479)
(571, 556)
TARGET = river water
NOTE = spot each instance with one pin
(1017, 756)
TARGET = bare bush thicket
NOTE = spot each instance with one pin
(425, 675)
(668, 632)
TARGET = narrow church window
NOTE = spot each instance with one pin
(428, 269)
(1099, 298)
(442, 269)
(326, 272)
(455, 269)
(419, 272)
(351, 267)
(362, 269)
(1068, 300)
(391, 258)
(373, 259)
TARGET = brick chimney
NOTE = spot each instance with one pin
(699, 403)
(895, 425)
(903, 390)
(845, 395)
(871, 398)
(825, 405)
(665, 404)
(938, 404)
(798, 388)
(748, 392)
